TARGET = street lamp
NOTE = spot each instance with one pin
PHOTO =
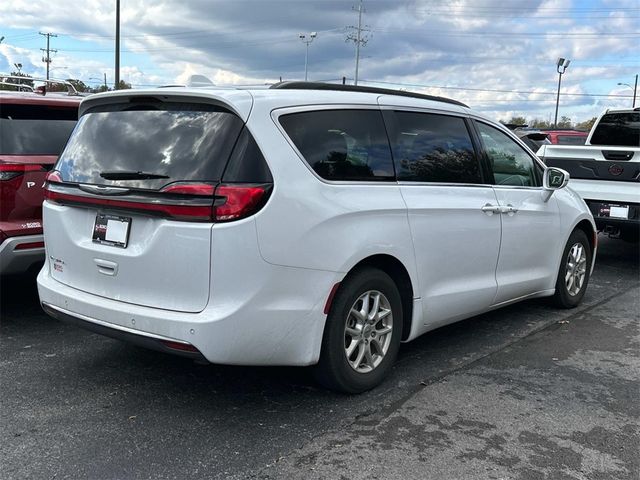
(306, 41)
(561, 65)
(18, 67)
(634, 88)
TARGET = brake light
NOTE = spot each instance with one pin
(234, 202)
(187, 201)
(12, 170)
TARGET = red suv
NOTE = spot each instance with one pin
(567, 137)
(34, 129)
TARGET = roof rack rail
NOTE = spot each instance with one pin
(71, 90)
(357, 88)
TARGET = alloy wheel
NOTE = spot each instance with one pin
(368, 331)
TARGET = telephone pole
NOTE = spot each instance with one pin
(47, 59)
(358, 38)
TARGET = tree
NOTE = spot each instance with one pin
(27, 81)
(515, 121)
(79, 85)
(587, 124)
(122, 85)
(539, 123)
(565, 122)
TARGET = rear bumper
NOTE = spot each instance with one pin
(146, 340)
(632, 223)
(18, 260)
(280, 324)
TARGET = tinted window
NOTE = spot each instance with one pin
(571, 139)
(181, 143)
(342, 144)
(35, 129)
(510, 163)
(618, 129)
(247, 164)
(432, 148)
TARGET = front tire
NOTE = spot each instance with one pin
(574, 272)
(362, 334)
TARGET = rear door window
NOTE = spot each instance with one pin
(349, 145)
(509, 162)
(620, 129)
(432, 148)
(170, 141)
(35, 129)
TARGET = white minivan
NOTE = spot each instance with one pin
(304, 224)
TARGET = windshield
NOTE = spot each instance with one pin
(35, 129)
(618, 129)
(175, 142)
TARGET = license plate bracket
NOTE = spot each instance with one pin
(112, 230)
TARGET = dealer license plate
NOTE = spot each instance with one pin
(111, 230)
(614, 211)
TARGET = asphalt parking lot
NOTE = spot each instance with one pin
(526, 392)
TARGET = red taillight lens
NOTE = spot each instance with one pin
(12, 170)
(53, 176)
(234, 202)
(200, 189)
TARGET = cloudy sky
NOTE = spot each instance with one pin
(496, 55)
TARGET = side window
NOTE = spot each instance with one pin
(342, 144)
(432, 148)
(510, 163)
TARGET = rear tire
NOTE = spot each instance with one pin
(574, 271)
(362, 334)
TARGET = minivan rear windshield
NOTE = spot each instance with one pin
(35, 129)
(618, 129)
(170, 142)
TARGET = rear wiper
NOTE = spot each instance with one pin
(130, 175)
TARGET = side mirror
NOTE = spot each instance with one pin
(554, 179)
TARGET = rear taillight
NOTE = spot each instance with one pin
(234, 202)
(53, 176)
(12, 170)
(186, 201)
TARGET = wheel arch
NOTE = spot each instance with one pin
(400, 275)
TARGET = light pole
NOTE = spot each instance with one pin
(18, 67)
(561, 65)
(634, 88)
(117, 62)
(306, 41)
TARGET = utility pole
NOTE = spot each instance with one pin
(105, 82)
(358, 38)
(117, 76)
(47, 59)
